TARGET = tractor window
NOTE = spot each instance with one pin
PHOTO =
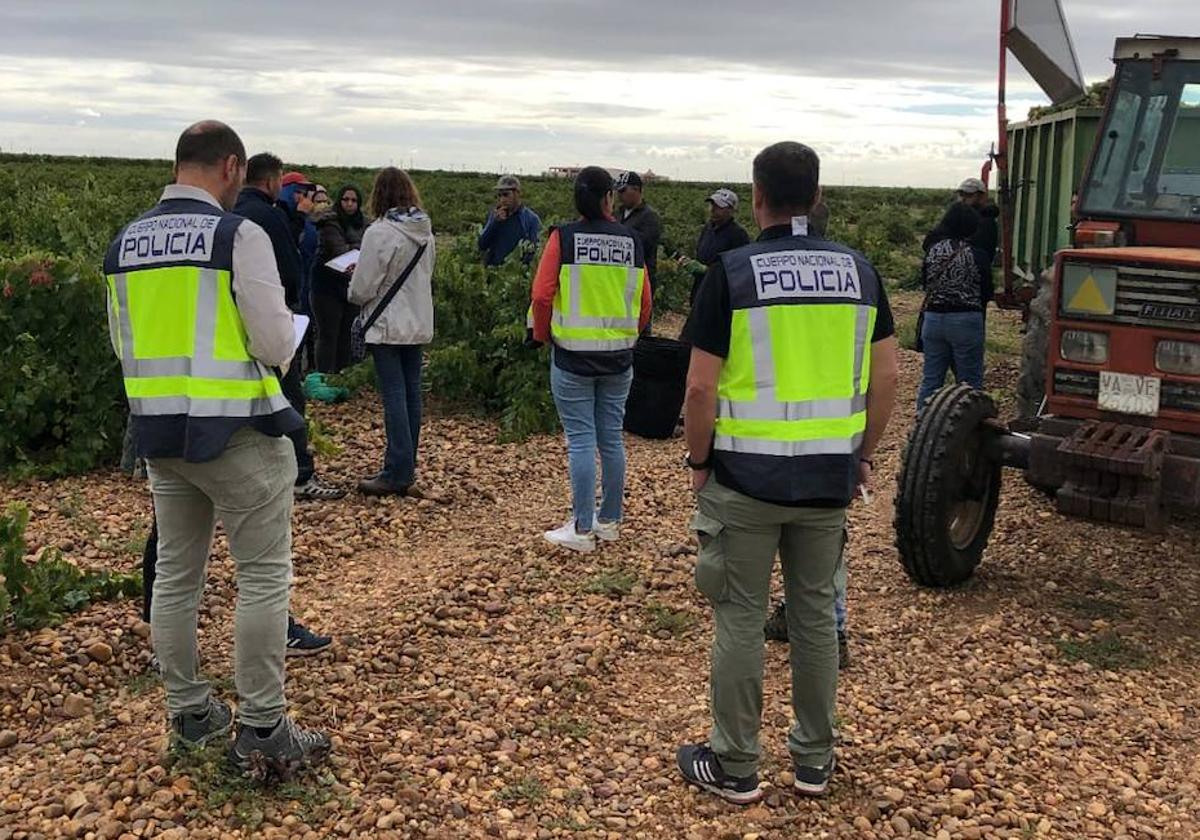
(1147, 161)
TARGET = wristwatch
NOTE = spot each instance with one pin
(698, 465)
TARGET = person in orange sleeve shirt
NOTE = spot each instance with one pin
(591, 298)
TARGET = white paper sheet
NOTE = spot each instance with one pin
(345, 262)
(300, 325)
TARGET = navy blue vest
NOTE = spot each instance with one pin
(592, 363)
(207, 245)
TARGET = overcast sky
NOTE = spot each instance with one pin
(895, 92)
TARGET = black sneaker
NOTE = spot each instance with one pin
(699, 766)
(303, 642)
(776, 627)
(281, 753)
(315, 489)
(813, 781)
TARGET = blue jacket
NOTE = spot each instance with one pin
(499, 238)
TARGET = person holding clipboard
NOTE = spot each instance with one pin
(339, 233)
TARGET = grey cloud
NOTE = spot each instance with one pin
(929, 39)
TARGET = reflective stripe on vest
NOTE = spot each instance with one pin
(597, 307)
(183, 346)
(795, 381)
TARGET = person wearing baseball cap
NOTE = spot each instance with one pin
(296, 201)
(721, 233)
(974, 193)
(509, 224)
(641, 218)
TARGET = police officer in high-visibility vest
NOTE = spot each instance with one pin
(791, 385)
(590, 299)
(196, 316)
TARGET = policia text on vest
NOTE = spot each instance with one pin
(184, 350)
(792, 393)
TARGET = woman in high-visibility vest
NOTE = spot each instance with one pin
(591, 298)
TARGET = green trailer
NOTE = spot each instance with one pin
(1046, 158)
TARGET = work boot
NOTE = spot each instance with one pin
(380, 486)
(281, 753)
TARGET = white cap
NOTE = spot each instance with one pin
(724, 198)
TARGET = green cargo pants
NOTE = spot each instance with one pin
(739, 538)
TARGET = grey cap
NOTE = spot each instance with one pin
(972, 185)
(724, 198)
(508, 182)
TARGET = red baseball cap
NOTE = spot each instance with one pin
(290, 178)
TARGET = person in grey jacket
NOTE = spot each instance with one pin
(405, 324)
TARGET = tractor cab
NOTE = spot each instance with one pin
(1110, 383)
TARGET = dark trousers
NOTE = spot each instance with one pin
(334, 315)
(293, 389)
(398, 371)
(149, 563)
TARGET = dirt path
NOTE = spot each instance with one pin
(484, 684)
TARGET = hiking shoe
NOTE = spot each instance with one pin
(776, 627)
(316, 490)
(280, 754)
(421, 491)
(843, 651)
(607, 531)
(380, 486)
(699, 766)
(568, 537)
(813, 781)
(195, 731)
(303, 642)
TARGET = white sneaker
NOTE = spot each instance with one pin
(607, 531)
(567, 537)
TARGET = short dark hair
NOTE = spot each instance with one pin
(207, 143)
(262, 167)
(787, 174)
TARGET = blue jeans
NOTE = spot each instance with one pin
(951, 335)
(592, 411)
(398, 369)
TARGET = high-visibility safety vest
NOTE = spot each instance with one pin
(599, 298)
(189, 375)
(792, 394)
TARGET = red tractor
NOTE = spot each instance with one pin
(1110, 385)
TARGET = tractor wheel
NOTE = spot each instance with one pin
(1031, 385)
(948, 488)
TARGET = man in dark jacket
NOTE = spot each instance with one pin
(256, 202)
(720, 234)
(973, 192)
(640, 217)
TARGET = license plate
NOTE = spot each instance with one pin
(1129, 394)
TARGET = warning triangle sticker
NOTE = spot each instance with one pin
(1089, 298)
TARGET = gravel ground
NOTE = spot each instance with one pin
(484, 685)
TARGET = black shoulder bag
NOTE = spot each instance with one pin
(358, 330)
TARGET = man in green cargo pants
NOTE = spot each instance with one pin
(791, 385)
